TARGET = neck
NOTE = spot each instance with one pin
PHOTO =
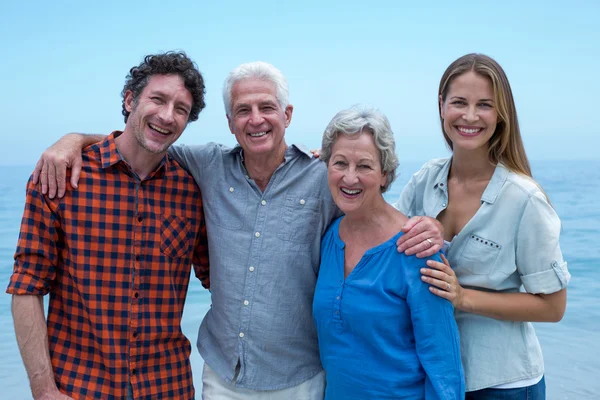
(261, 167)
(365, 219)
(471, 165)
(141, 161)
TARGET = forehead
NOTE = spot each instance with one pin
(253, 90)
(471, 83)
(361, 144)
(167, 84)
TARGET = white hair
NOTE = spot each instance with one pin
(355, 121)
(259, 70)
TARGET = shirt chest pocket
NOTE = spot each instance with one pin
(479, 256)
(176, 236)
(299, 219)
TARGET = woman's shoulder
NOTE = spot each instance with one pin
(522, 185)
(431, 169)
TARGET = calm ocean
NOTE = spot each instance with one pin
(571, 347)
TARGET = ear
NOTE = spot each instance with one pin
(129, 100)
(288, 114)
(441, 103)
(383, 180)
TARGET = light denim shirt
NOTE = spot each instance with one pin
(264, 250)
(510, 244)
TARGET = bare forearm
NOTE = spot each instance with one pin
(515, 306)
(32, 338)
(85, 139)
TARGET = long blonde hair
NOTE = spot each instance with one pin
(505, 145)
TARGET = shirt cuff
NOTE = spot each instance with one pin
(23, 283)
(549, 281)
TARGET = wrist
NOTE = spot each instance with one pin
(465, 303)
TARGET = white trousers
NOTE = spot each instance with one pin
(215, 388)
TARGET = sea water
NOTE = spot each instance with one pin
(571, 347)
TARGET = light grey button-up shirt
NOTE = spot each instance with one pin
(264, 250)
(510, 244)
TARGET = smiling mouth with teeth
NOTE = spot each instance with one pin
(258, 134)
(159, 130)
(468, 131)
(351, 191)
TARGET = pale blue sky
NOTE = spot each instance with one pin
(63, 64)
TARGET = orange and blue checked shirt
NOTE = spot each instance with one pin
(115, 256)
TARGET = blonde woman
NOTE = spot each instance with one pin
(502, 234)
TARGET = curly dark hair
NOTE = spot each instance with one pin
(170, 62)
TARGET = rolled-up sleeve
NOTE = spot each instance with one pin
(37, 252)
(539, 258)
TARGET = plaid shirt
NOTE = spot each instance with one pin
(115, 256)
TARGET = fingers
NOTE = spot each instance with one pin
(439, 284)
(61, 178)
(44, 177)
(75, 172)
(37, 171)
(421, 234)
(418, 243)
(51, 177)
(433, 249)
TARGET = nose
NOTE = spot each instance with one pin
(256, 117)
(351, 176)
(167, 113)
(471, 114)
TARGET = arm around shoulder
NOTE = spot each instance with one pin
(51, 168)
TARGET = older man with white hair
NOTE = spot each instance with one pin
(266, 206)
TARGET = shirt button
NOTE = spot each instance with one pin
(251, 269)
(140, 218)
(246, 302)
(231, 189)
(257, 234)
(136, 295)
(302, 201)
(133, 371)
(337, 312)
(135, 334)
(264, 202)
(241, 334)
(137, 258)
(337, 298)
(444, 205)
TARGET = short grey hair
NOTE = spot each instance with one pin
(258, 70)
(356, 120)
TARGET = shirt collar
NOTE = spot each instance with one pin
(110, 155)
(492, 189)
(290, 151)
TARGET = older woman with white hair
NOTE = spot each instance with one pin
(382, 334)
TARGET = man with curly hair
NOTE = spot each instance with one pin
(267, 205)
(115, 254)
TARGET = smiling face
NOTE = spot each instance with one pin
(469, 113)
(257, 119)
(354, 173)
(160, 113)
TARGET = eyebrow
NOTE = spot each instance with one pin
(464, 98)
